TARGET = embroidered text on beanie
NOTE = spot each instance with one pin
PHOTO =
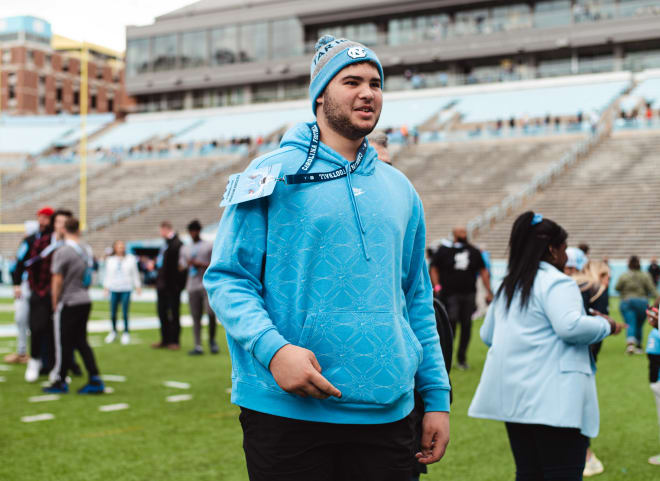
(332, 55)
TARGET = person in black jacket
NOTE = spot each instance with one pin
(169, 284)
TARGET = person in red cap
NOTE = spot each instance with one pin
(33, 258)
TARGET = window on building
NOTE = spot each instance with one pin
(194, 49)
(65, 65)
(174, 101)
(199, 97)
(137, 56)
(93, 101)
(164, 52)
(42, 81)
(30, 55)
(12, 91)
(637, 61)
(58, 93)
(401, 31)
(99, 73)
(76, 98)
(224, 45)
(42, 101)
(287, 38)
(254, 42)
(111, 105)
(264, 93)
(554, 67)
(48, 60)
(552, 13)
(595, 63)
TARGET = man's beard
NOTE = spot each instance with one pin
(341, 123)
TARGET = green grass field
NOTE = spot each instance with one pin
(201, 439)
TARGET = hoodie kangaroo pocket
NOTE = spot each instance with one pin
(371, 357)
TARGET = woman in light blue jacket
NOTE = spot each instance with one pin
(539, 375)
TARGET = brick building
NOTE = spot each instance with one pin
(40, 72)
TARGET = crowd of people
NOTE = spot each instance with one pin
(52, 275)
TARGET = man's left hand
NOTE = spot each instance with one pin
(435, 437)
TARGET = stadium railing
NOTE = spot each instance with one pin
(581, 149)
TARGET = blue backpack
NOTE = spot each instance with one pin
(89, 263)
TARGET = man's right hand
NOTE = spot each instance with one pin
(297, 371)
(17, 292)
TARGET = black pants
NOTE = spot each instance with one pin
(42, 341)
(546, 453)
(282, 449)
(460, 308)
(73, 335)
(169, 305)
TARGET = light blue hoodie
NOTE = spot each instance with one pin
(336, 267)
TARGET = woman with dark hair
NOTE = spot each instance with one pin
(539, 376)
(635, 287)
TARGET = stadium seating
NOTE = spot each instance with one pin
(34, 134)
(459, 180)
(111, 188)
(607, 200)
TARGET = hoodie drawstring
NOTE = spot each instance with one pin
(356, 211)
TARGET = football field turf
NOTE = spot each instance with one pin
(200, 438)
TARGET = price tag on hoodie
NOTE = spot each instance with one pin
(251, 185)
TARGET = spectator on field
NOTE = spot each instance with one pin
(538, 377)
(194, 260)
(121, 277)
(635, 287)
(593, 282)
(454, 271)
(72, 275)
(21, 300)
(653, 353)
(654, 270)
(169, 284)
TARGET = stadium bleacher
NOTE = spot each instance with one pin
(606, 200)
(34, 134)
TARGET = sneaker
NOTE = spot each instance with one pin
(638, 350)
(214, 347)
(58, 387)
(125, 339)
(16, 358)
(173, 347)
(463, 366)
(630, 348)
(655, 460)
(32, 370)
(196, 352)
(593, 466)
(158, 345)
(110, 338)
(94, 386)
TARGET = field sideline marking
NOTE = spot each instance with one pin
(37, 417)
(113, 378)
(47, 397)
(113, 407)
(177, 385)
(178, 398)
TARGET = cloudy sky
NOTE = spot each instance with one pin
(98, 21)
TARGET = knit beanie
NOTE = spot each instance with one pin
(332, 55)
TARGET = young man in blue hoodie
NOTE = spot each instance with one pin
(325, 296)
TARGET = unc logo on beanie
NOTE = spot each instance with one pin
(332, 55)
(357, 52)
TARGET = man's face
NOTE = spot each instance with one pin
(194, 235)
(352, 101)
(460, 234)
(58, 225)
(164, 232)
(43, 220)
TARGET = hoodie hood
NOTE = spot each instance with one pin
(300, 136)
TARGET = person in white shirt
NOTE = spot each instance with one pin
(121, 277)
